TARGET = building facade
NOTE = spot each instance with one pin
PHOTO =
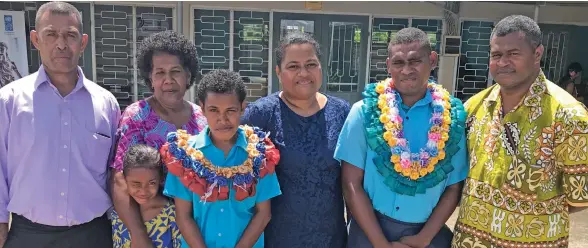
(241, 36)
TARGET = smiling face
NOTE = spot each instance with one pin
(300, 71)
(59, 41)
(143, 184)
(410, 66)
(513, 60)
(169, 79)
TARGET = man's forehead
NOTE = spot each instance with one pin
(50, 21)
(407, 49)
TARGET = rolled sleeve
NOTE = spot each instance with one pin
(459, 161)
(174, 188)
(268, 187)
(5, 120)
(352, 144)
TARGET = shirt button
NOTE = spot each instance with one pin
(220, 234)
(65, 146)
(65, 123)
(222, 209)
(63, 169)
(62, 194)
(61, 216)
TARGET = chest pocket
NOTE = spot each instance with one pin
(94, 142)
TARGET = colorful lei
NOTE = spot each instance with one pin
(405, 172)
(211, 182)
(414, 165)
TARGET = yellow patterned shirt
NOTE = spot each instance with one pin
(526, 167)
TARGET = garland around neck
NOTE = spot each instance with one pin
(212, 182)
(405, 172)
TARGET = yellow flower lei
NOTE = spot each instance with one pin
(228, 172)
(392, 123)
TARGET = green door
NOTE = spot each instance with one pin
(343, 40)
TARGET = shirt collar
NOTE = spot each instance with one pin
(426, 100)
(203, 139)
(43, 78)
(533, 96)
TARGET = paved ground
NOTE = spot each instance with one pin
(578, 232)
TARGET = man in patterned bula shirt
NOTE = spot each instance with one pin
(527, 143)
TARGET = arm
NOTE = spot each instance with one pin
(257, 225)
(187, 225)
(360, 205)
(267, 188)
(570, 89)
(128, 210)
(573, 165)
(439, 217)
(351, 151)
(5, 120)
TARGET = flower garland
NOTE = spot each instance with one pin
(414, 165)
(211, 182)
(404, 172)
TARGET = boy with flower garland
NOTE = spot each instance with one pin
(403, 153)
(223, 178)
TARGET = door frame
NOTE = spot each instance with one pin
(321, 31)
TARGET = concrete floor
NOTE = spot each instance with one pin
(578, 232)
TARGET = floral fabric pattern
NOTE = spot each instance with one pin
(526, 168)
(140, 124)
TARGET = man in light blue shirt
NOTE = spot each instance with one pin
(222, 210)
(400, 183)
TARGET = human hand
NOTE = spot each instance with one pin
(141, 242)
(415, 241)
(3, 233)
(398, 245)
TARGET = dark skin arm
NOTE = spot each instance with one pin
(440, 215)
(360, 205)
(128, 211)
(256, 225)
(187, 224)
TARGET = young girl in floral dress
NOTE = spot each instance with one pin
(143, 172)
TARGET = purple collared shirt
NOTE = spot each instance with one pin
(55, 151)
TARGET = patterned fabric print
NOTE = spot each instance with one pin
(162, 229)
(309, 213)
(140, 124)
(526, 169)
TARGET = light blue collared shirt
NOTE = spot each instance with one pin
(352, 147)
(223, 222)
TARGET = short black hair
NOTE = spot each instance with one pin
(59, 8)
(519, 23)
(410, 35)
(142, 156)
(221, 81)
(575, 66)
(295, 38)
(172, 43)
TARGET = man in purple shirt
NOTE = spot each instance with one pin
(56, 135)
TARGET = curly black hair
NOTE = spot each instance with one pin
(221, 81)
(172, 43)
(295, 38)
(142, 156)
